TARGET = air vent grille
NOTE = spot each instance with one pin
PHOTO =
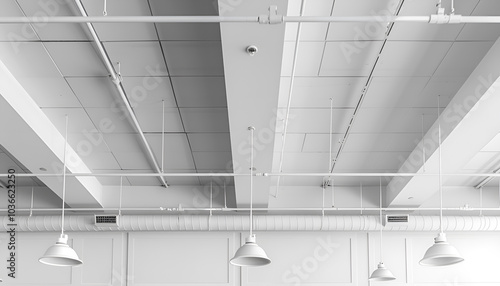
(106, 220)
(397, 219)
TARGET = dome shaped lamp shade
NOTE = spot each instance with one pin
(250, 254)
(381, 274)
(61, 254)
(441, 253)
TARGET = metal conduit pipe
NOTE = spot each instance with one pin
(433, 19)
(117, 83)
(256, 174)
(261, 223)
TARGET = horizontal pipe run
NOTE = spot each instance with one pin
(257, 174)
(239, 19)
(85, 223)
(180, 209)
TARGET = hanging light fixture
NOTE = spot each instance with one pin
(381, 273)
(61, 254)
(441, 253)
(250, 254)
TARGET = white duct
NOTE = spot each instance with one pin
(261, 223)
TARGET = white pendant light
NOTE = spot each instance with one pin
(441, 253)
(250, 254)
(381, 273)
(61, 254)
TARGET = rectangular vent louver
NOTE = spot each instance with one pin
(106, 220)
(397, 219)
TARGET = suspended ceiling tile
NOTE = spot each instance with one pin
(315, 92)
(321, 142)
(7, 163)
(88, 142)
(411, 58)
(133, 160)
(150, 119)
(28, 60)
(54, 31)
(78, 120)
(354, 58)
(205, 119)
(177, 152)
(122, 31)
(309, 57)
(371, 161)
(318, 120)
(382, 142)
(305, 162)
(14, 32)
(310, 31)
(294, 142)
(110, 120)
(493, 145)
(194, 58)
(385, 120)
(137, 58)
(148, 92)
(360, 31)
(209, 142)
(429, 32)
(123, 142)
(486, 32)
(213, 160)
(76, 59)
(94, 91)
(200, 91)
(462, 58)
(50, 91)
(395, 92)
(101, 160)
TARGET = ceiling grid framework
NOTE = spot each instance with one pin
(213, 90)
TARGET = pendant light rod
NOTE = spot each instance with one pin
(440, 168)
(380, 216)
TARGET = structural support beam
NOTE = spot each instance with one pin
(31, 138)
(252, 86)
(471, 118)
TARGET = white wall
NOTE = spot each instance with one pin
(298, 258)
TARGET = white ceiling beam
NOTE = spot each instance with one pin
(468, 123)
(31, 138)
(252, 87)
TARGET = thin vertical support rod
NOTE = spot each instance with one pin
(423, 143)
(440, 168)
(121, 194)
(225, 196)
(64, 174)
(31, 207)
(162, 135)
(252, 129)
(361, 197)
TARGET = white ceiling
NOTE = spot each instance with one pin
(383, 82)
